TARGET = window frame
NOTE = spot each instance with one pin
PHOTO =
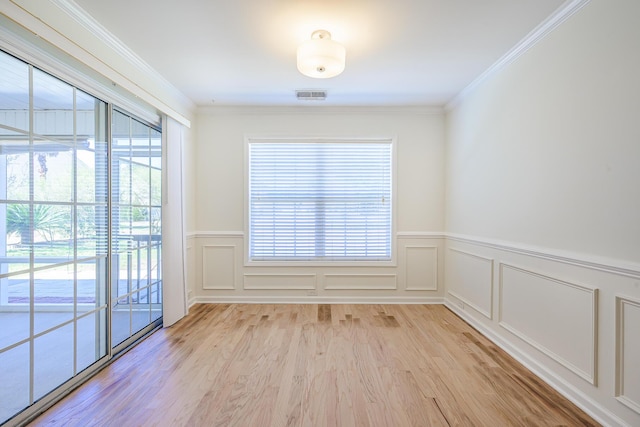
(248, 262)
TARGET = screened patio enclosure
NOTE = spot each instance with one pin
(80, 233)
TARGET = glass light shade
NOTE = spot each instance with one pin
(321, 57)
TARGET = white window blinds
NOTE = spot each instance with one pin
(320, 201)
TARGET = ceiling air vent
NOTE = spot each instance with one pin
(311, 95)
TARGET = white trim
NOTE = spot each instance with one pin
(42, 59)
(589, 376)
(421, 235)
(620, 362)
(280, 287)
(86, 21)
(248, 299)
(491, 261)
(435, 268)
(48, 32)
(232, 286)
(392, 286)
(193, 300)
(563, 13)
(466, 302)
(606, 265)
(216, 234)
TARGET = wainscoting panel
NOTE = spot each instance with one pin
(421, 268)
(279, 281)
(557, 317)
(471, 280)
(628, 352)
(360, 282)
(191, 269)
(219, 267)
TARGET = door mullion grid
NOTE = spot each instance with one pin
(31, 254)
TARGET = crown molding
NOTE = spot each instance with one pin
(82, 18)
(564, 12)
(25, 14)
(87, 81)
(321, 110)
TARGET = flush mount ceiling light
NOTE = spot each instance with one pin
(321, 57)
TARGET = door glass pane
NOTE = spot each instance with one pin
(120, 320)
(91, 288)
(14, 377)
(52, 360)
(140, 313)
(52, 106)
(91, 342)
(53, 236)
(16, 176)
(14, 323)
(14, 93)
(136, 187)
(53, 171)
(53, 290)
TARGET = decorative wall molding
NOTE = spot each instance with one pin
(279, 281)
(216, 234)
(416, 270)
(421, 235)
(372, 282)
(191, 269)
(567, 309)
(626, 269)
(631, 270)
(628, 352)
(488, 283)
(540, 32)
(222, 265)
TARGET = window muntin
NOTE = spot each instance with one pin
(320, 201)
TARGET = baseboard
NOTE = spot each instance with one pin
(316, 300)
(191, 302)
(578, 398)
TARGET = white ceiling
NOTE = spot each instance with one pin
(242, 52)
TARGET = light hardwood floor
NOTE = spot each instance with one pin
(316, 365)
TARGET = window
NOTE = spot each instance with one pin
(320, 200)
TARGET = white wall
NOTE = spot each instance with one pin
(546, 152)
(543, 209)
(218, 241)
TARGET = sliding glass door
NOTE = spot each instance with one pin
(80, 246)
(136, 291)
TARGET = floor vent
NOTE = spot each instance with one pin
(311, 95)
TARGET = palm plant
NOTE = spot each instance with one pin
(46, 219)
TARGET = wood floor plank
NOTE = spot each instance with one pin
(316, 365)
